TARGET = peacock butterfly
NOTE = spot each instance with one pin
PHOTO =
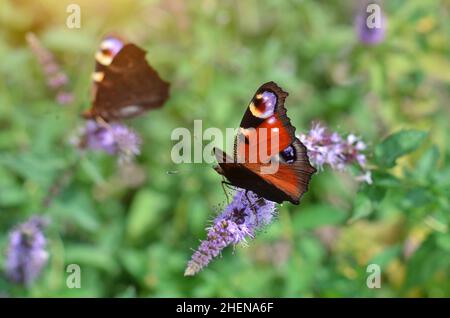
(124, 84)
(290, 180)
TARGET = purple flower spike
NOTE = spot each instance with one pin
(237, 223)
(367, 32)
(57, 80)
(113, 138)
(26, 255)
(329, 148)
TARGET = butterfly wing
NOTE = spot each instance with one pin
(125, 85)
(240, 176)
(281, 172)
(292, 172)
(265, 129)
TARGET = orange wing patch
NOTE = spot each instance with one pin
(260, 144)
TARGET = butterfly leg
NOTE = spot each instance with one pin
(225, 183)
(252, 206)
(101, 122)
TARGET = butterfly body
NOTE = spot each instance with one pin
(266, 140)
(124, 84)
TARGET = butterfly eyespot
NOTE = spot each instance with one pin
(289, 154)
(108, 50)
(102, 58)
(263, 104)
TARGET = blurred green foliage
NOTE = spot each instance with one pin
(133, 236)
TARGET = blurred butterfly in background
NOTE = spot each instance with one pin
(124, 84)
(290, 180)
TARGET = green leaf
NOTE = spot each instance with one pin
(135, 262)
(129, 292)
(427, 163)
(145, 213)
(92, 171)
(385, 180)
(77, 209)
(387, 255)
(362, 208)
(11, 194)
(84, 254)
(318, 215)
(443, 241)
(397, 145)
(39, 168)
(416, 197)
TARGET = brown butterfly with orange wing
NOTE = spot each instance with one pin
(124, 84)
(289, 181)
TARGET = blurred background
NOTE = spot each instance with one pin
(132, 228)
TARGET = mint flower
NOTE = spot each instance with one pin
(369, 35)
(112, 138)
(329, 148)
(57, 80)
(26, 254)
(237, 223)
